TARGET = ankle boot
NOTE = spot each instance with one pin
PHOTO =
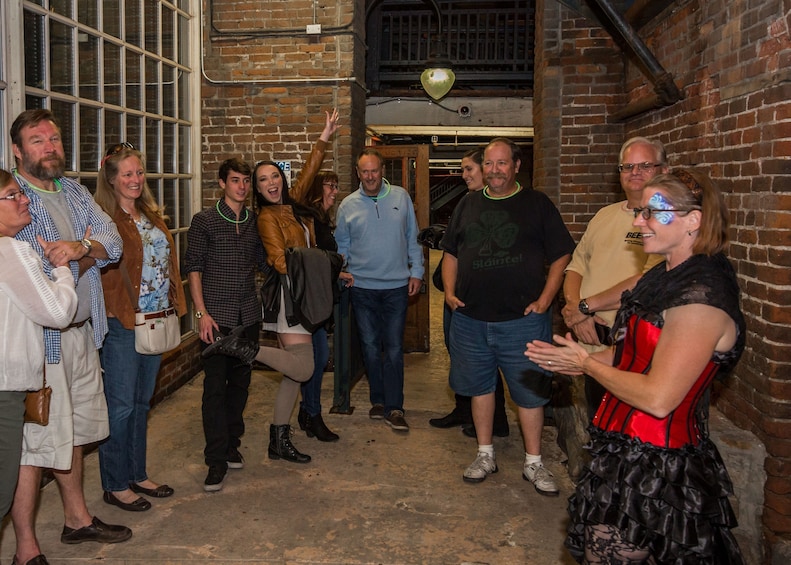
(302, 419)
(280, 446)
(235, 345)
(315, 426)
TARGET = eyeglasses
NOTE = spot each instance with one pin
(646, 213)
(17, 196)
(643, 167)
(331, 185)
(118, 147)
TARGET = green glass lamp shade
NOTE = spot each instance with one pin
(437, 81)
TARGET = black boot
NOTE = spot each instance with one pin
(235, 345)
(315, 426)
(280, 446)
(302, 419)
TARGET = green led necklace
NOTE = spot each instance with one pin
(58, 186)
(227, 219)
(490, 197)
(386, 184)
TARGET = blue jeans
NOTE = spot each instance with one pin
(478, 348)
(129, 381)
(311, 389)
(381, 316)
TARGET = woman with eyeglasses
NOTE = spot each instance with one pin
(29, 299)
(656, 490)
(319, 199)
(146, 279)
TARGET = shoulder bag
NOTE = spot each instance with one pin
(37, 403)
(155, 332)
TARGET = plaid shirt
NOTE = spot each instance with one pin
(228, 261)
(84, 212)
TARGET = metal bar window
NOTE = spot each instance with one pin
(110, 70)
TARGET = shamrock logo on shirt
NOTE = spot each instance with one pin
(495, 229)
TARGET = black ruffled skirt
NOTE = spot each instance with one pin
(672, 501)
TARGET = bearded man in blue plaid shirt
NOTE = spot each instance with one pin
(67, 228)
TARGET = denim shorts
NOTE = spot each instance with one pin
(478, 349)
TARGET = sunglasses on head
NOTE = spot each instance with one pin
(118, 147)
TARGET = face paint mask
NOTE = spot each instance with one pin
(659, 202)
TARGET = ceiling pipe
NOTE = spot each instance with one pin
(665, 90)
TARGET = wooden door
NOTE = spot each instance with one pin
(407, 166)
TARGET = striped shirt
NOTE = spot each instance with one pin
(84, 212)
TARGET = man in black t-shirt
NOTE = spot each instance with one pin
(498, 246)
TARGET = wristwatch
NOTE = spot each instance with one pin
(199, 314)
(86, 243)
(584, 308)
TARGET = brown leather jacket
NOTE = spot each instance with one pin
(116, 295)
(278, 227)
(279, 230)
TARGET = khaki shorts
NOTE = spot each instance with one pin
(78, 409)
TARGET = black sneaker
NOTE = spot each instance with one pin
(235, 459)
(215, 478)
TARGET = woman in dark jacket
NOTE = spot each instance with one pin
(320, 198)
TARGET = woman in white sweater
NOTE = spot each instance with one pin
(29, 299)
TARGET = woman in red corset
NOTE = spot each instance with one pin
(656, 490)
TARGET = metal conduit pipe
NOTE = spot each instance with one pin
(665, 89)
(262, 81)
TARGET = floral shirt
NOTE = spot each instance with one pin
(155, 282)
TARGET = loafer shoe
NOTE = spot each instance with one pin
(162, 491)
(37, 560)
(377, 412)
(452, 420)
(139, 505)
(97, 531)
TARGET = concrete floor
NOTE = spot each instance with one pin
(375, 497)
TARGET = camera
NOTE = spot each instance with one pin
(464, 111)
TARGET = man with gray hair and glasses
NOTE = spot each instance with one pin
(609, 258)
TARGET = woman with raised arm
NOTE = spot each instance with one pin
(284, 223)
(656, 490)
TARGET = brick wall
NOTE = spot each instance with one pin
(266, 87)
(732, 61)
(269, 83)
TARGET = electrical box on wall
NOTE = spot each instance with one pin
(313, 29)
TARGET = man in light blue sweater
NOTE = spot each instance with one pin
(377, 234)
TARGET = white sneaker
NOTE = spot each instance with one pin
(483, 465)
(542, 479)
